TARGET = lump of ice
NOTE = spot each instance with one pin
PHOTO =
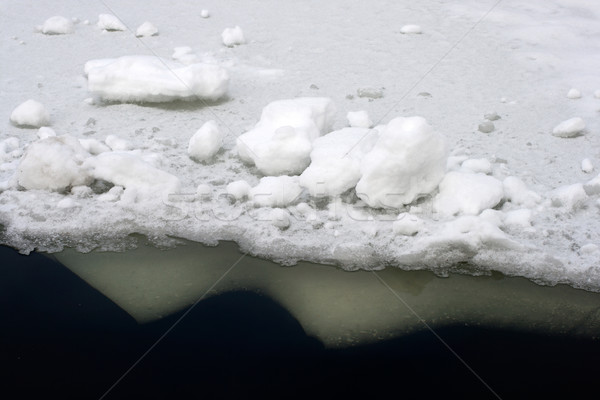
(280, 218)
(204, 13)
(206, 142)
(592, 186)
(467, 193)
(110, 23)
(117, 144)
(407, 225)
(233, 36)
(281, 141)
(57, 25)
(517, 193)
(54, 163)
(131, 171)
(275, 191)
(94, 146)
(587, 166)
(569, 197)
(238, 189)
(569, 128)
(408, 161)
(146, 29)
(370, 93)
(486, 127)
(30, 113)
(151, 79)
(335, 161)
(359, 119)
(482, 165)
(45, 132)
(574, 94)
(415, 29)
(520, 218)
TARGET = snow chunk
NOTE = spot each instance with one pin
(117, 144)
(481, 165)
(520, 218)
(592, 186)
(574, 94)
(238, 189)
(30, 113)
(276, 191)
(335, 161)
(517, 193)
(206, 142)
(411, 29)
(94, 146)
(408, 161)
(132, 172)
(466, 193)
(110, 23)
(280, 143)
(587, 166)
(588, 248)
(370, 93)
(54, 163)
(204, 13)
(67, 203)
(569, 128)
(151, 79)
(57, 26)
(146, 29)
(570, 197)
(280, 218)
(45, 132)
(233, 36)
(359, 119)
(597, 94)
(486, 127)
(407, 225)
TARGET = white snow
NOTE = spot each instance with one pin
(592, 186)
(519, 218)
(569, 197)
(467, 193)
(411, 29)
(57, 25)
(30, 113)
(275, 191)
(482, 165)
(597, 94)
(359, 119)
(587, 166)
(574, 94)
(516, 191)
(110, 23)
(280, 218)
(206, 142)
(204, 13)
(407, 162)
(54, 163)
(151, 79)
(569, 128)
(407, 225)
(45, 132)
(238, 189)
(146, 29)
(281, 141)
(233, 36)
(116, 143)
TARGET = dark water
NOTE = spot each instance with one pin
(60, 338)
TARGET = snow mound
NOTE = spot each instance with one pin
(146, 29)
(569, 128)
(407, 162)
(517, 193)
(281, 141)
(133, 173)
(335, 161)
(407, 225)
(570, 197)
(359, 119)
(54, 163)
(110, 23)
(233, 36)
(30, 113)
(57, 25)
(414, 29)
(152, 79)
(206, 142)
(467, 193)
(574, 94)
(276, 191)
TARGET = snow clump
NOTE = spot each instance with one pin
(359, 119)
(407, 225)
(574, 94)
(281, 141)
(57, 25)
(569, 197)
(150, 79)
(54, 163)
(407, 162)
(467, 193)
(146, 29)
(238, 189)
(587, 166)
(204, 13)
(45, 132)
(569, 128)
(206, 142)
(415, 29)
(517, 192)
(110, 23)
(335, 161)
(30, 113)
(275, 191)
(233, 36)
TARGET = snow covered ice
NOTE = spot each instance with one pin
(146, 29)
(57, 25)
(360, 171)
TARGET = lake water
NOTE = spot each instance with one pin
(72, 332)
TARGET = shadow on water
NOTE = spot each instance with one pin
(61, 338)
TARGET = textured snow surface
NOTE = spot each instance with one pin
(412, 183)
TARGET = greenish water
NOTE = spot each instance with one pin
(338, 307)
